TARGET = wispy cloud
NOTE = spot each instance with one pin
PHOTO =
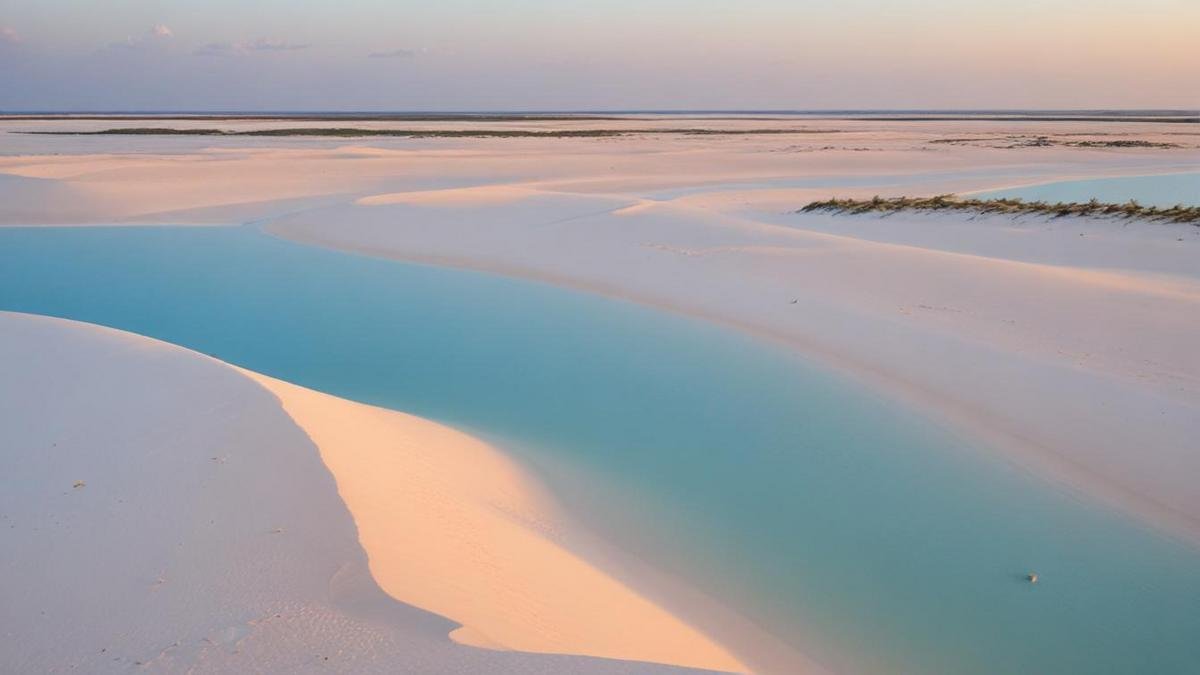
(247, 47)
(393, 54)
(9, 35)
(156, 35)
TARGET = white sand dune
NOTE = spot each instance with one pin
(452, 526)
(162, 509)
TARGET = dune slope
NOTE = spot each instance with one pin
(159, 509)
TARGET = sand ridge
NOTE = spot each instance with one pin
(452, 526)
(250, 554)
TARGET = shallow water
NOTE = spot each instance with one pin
(856, 530)
(1157, 190)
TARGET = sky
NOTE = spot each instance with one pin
(445, 55)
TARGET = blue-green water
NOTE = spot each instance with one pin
(855, 530)
(1158, 190)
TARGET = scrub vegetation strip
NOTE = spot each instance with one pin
(1008, 206)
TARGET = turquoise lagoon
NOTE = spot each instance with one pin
(1154, 190)
(855, 530)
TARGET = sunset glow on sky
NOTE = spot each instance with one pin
(543, 55)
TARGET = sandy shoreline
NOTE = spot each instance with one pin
(1067, 346)
(477, 547)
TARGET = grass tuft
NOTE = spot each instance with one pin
(1008, 206)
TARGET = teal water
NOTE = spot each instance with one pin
(854, 529)
(1157, 190)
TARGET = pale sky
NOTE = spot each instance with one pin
(617, 54)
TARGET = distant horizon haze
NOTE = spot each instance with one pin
(656, 55)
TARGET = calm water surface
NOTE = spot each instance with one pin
(860, 533)
(1158, 190)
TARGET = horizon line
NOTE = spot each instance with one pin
(610, 111)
